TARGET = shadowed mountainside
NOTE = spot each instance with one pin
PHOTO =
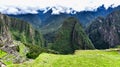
(105, 32)
(70, 36)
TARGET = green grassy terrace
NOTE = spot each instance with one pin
(81, 58)
(2, 53)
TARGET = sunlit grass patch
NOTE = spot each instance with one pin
(2, 53)
(81, 58)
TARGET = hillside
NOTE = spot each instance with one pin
(19, 30)
(81, 58)
(69, 37)
(105, 32)
(18, 39)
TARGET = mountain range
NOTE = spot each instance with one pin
(28, 35)
(105, 32)
(47, 22)
(20, 39)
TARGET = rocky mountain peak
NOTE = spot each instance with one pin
(106, 33)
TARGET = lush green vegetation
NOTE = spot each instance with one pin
(34, 51)
(70, 37)
(18, 33)
(81, 58)
(6, 58)
(20, 30)
(2, 53)
(27, 36)
(22, 49)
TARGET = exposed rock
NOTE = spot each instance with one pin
(13, 33)
(2, 64)
(105, 32)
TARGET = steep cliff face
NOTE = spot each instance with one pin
(105, 32)
(12, 28)
(70, 37)
(4, 32)
(16, 35)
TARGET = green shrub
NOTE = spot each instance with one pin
(17, 48)
(34, 51)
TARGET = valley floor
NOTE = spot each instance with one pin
(81, 58)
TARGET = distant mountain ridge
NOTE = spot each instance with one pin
(47, 20)
(48, 24)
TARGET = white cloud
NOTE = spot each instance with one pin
(58, 6)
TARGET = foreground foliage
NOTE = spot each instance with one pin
(2, 53)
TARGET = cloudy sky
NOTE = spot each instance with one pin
(58, 6)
